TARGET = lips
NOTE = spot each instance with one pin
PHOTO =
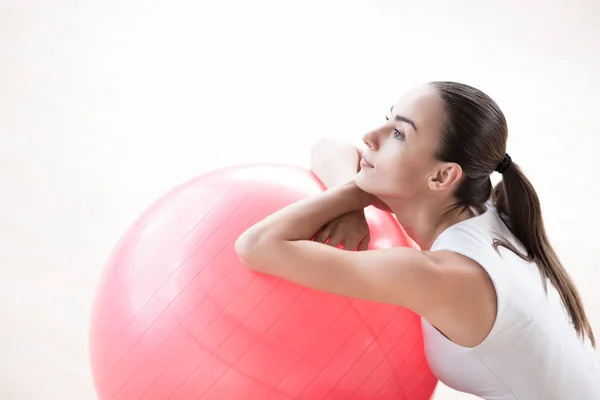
(365, 164)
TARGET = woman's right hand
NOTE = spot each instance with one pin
(349, 231)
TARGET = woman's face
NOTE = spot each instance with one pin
(399, 160)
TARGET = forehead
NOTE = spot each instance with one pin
(424, 106)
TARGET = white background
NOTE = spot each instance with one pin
(106, 105)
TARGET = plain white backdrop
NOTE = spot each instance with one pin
(106, 105)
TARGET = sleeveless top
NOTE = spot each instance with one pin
(532, 351)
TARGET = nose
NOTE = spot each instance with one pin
(370, 139)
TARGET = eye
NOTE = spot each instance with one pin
(398, 135)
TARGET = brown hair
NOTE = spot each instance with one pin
(474, 137)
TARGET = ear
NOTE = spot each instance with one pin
(445, 177)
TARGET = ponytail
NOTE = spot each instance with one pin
(474, 136)
(516, 198)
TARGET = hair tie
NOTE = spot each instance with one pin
(504, 164)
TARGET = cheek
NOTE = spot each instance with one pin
(399, 169)
(397, 162)
(405, 169)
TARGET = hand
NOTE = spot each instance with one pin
(349, 230)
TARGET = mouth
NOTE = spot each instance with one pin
(365, 164)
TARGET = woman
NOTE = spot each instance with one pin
(501, 317)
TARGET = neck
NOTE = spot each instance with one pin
(425, 220)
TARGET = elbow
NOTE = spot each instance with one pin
(247, 249)
(319, 145)
(321, 148)
(316, 152)
(243, 247)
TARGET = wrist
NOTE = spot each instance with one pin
(358, 198)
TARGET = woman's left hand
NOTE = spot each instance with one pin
(349, 231)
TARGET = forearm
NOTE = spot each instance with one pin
(334, 162)
(303, 218)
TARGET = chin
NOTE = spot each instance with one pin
(363, 183)
(373, 186)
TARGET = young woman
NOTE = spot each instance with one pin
(501, 317)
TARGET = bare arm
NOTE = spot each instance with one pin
(440, 286)
(334, 162)
(278, 246)
(450, 291)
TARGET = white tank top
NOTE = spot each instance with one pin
(532, 351)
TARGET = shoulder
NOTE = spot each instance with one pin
(455, 265)
(459, 275)
(468, 302)
(459, 271)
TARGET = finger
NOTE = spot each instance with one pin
(322, 236)
(335, 240)
(364, 244)
(351, 244)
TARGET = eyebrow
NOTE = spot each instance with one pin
(407, 120)
(400, 118)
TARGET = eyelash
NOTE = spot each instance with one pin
(398, 135)
(396, 131)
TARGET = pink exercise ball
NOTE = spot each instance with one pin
(177, 316)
